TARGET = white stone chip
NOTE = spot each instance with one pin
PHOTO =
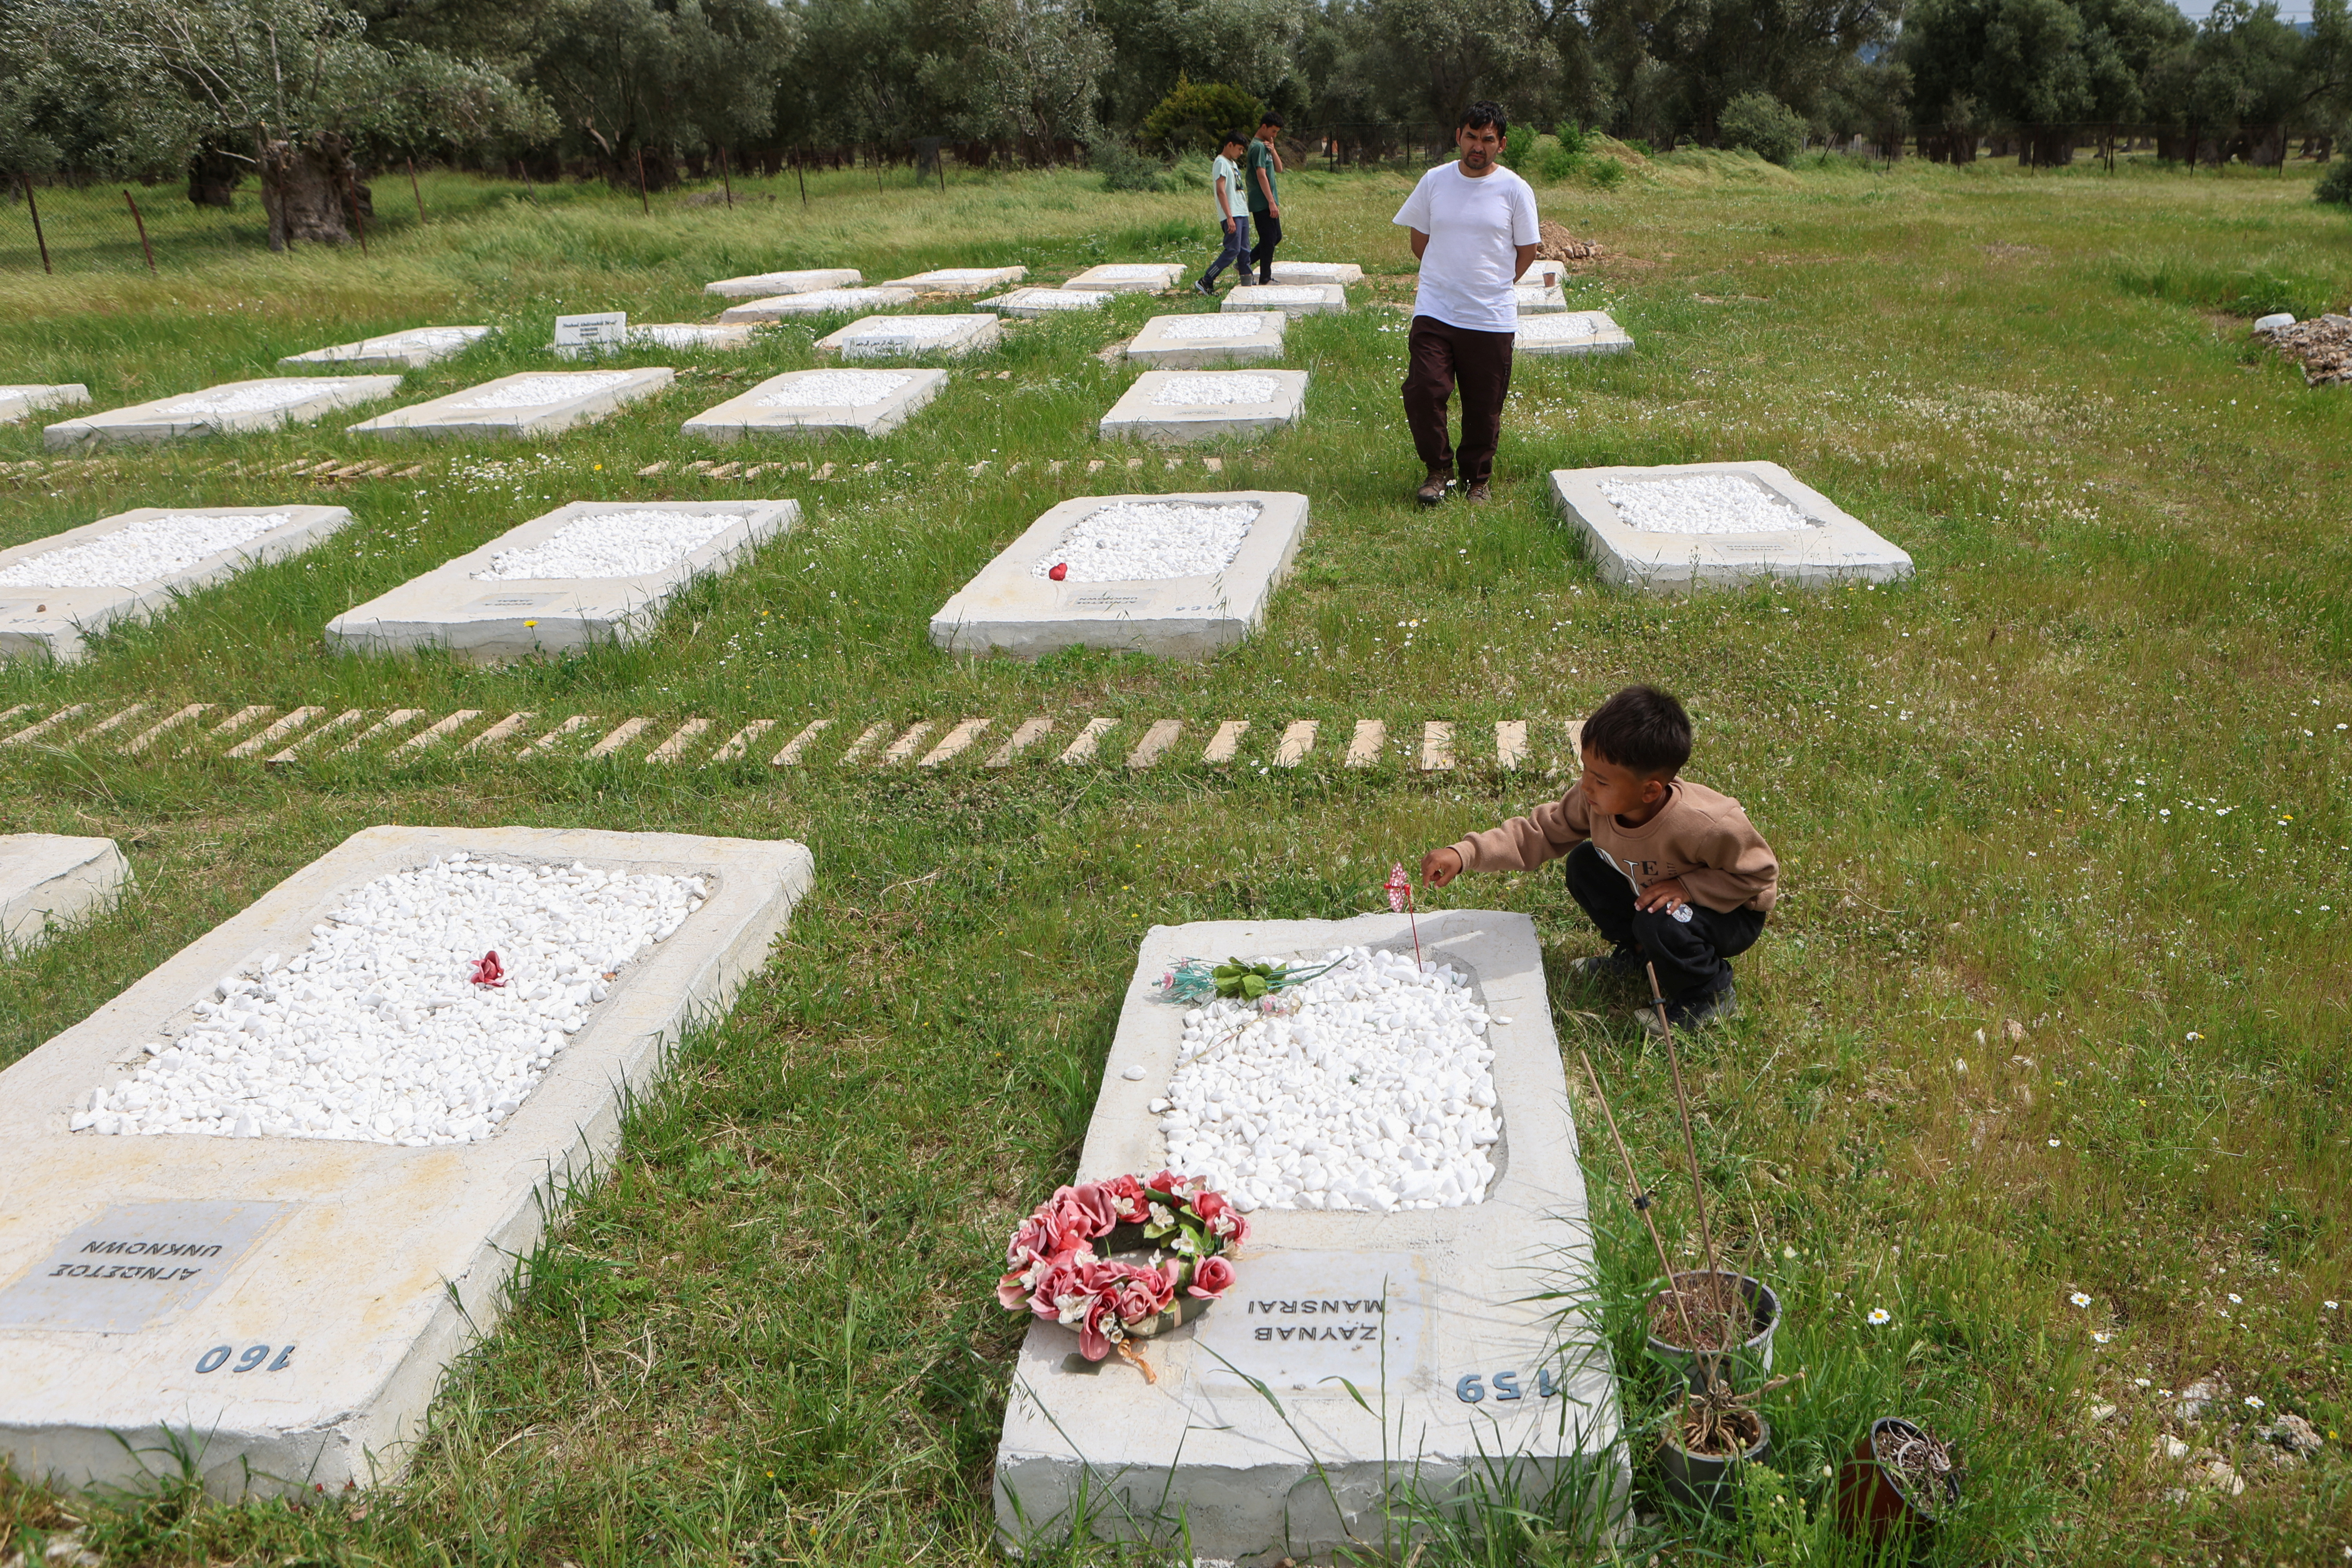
(1700, 503)
(612, 544)
(1368, 1088)
(837, 389)
(376, 1031)
(257, 399)
(1142, 542)
(1118, 272)
(1215, 390)
(1286, 294)
(534, 390)
(914, 328)
(1560, 328)
(1194, 328)
(140, 551)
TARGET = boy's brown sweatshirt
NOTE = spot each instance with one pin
(1699, 836)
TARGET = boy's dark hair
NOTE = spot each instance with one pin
(1270, 117)
(1640, 728)
(1231, 139)
(1482, 113)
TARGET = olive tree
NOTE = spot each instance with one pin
(286, 89)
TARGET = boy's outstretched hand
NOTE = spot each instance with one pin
(1439, 867)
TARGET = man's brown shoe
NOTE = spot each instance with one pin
(1433, 489)
(1479, 494)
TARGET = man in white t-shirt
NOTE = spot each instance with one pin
(1473, 231)
(1232, 214)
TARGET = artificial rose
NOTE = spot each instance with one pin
(1070, 1281)
(1098, 1327)
(1211, 1278)
(1141, 1294)
(1222, 1219)
(1033, 1237)
(1126, 1200)
(1075, 1215)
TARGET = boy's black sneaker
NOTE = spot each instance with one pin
(1200, 288)
(1690, 1013)
(1624, 964)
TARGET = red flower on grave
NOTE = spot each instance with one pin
(1211, 1278)
(487, 971)
(1126, 1199)
(1061, 570)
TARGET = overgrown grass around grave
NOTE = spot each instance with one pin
(2053, 1003)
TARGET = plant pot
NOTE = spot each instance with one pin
(1876, 1501)
(1700, 1368)
(1706, 1480)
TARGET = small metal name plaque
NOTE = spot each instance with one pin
(1104, 601)
(135, 1263)
(514, 602)
(1294, 1319)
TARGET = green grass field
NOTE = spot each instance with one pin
(2054, 1001)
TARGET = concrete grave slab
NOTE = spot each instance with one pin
(481, 609)
(1342, 272)
(409, 350)
(820, 403)
(53, 880)
(817, 302)
(1290, 298)
(677, 336)
(961, 279)
(1170, 407)
(1538, 299)
(913, 337)
(1129, 277)
(234, 407)
(1765, 524)
(1426, 1311)
(291, 1302)
(1010, 606)
(769, 285)
(163, 551)
(1571, 332)
(1043, 301)
(1545, 272)
(21, 399)
(530, 403)
(1183, 342)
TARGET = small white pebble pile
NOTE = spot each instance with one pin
(1125, 274)
(1312, 271)
(1286, 293)
(835, 389)
(1559, 328)
(140, 551)
(376, 1032)
(611, 544)
(682, 334)
(1369, 1087)
(1054, 298)
(260, 399)
(532, 391)
(843, 298)
(1214, 390)
(956, 274)
(1190, 328)
(1700, 503)
(910, 329)
(1141, 542)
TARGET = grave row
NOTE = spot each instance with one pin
(259, 732)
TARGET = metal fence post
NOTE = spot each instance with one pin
(414, 191)
(142, 230)
(33, 207)
(644, 200)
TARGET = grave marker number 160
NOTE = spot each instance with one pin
(216, 1358)
(1471, 1386)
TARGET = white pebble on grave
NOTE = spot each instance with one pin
(233, 408)
(611, 544)
(1678, 527)
(1145, 541)
(377, 1030)
(1366, 1087)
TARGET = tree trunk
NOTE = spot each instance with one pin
(212, 178)
(303, 186)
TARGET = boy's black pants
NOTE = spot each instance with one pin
(1692, 955)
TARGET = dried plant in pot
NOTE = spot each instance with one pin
(1730, 1317)
(1902, 1478)
(1711, 1434)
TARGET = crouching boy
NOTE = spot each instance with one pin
(1671, 871)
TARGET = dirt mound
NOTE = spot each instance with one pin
(1556, 243)
(2324, 349)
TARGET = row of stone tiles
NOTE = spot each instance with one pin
(303, 732)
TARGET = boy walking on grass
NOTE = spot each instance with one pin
(1232, 214)
(1265, 195)
(1672, 872)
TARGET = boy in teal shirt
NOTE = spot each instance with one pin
(1232, 214)
(1265, 200)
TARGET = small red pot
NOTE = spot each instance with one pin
(1872, 1503)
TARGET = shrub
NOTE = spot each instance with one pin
(1764, 125)
(1571, 137)
(1551, 161)
(1192, 116)
(1519, 147)
(1607, 172)
(1124, 169)
(2335, 183)
(1639, 144)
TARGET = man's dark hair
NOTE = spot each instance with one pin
(1270, 117)
(1485, 112)
(1640, 728)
